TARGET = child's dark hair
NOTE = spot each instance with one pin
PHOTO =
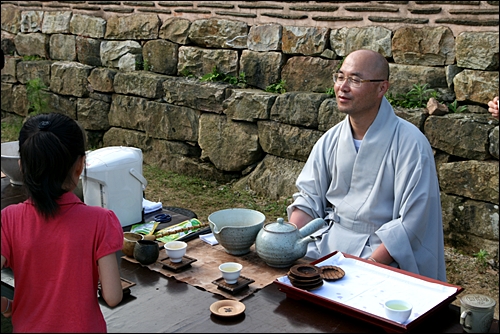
(49, 145)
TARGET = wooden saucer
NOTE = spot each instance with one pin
(227, 308)
(331, 273)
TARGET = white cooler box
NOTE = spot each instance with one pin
(113, 180)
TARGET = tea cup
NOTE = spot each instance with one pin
(230, 271)
(398, 310)
(175, 250)
(129, 241)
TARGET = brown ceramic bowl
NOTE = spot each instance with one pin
(129, 241)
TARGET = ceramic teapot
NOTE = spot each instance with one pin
(279, 244)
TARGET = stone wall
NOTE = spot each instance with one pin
(258, 139)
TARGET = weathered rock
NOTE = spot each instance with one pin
(101, 79)
(20, 103)
(30, 70)
(468, 223)
(435, 108)
(265, 37)
(175, 29)
(158, 120)
(308, 41)
(273, 178)
(62, 47)
(477, 180)
(69, 78)
(476, 86)
(161, 56)
(297, 108)
(209, 95)
(140, 83)
(261, 68)
(429, 46)
(230, 146)
(7, 101)
(93, 114)
(112, 51)
(287, 141)
(403, 77)
(477, 50)
(88, 51)
(137, 26)
(345, 40)
(62, 104)
(249, 105)
(11, 20)
(219, 33)
(459, 135)
(87, 26)
(197, 61)
(416, 117)
(56, 22)
(35, 44)
(308, 74)
(31, 21)
(9, 70)
(493, 136)
(329, 114)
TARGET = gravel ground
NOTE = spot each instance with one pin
(468, 272)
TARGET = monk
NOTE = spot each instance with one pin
(373, 177)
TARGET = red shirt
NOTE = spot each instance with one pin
(55, 264)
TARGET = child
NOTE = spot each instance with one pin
(58, 247)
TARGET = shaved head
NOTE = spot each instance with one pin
(373, 63)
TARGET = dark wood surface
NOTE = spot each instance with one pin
(162, 304)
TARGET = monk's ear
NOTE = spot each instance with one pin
(383, 88)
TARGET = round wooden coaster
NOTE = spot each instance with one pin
(331, 273)
(305, 271)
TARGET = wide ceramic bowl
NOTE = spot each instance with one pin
(236, 229)
(10, 162)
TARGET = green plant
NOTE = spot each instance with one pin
(11, 126)
(186, 73)
(455, 108)
(417, 97)
(482, 257)
(215, 75)
(279, 87)
(37, 97)
(330, 91)
(142, 65)
(32, 58)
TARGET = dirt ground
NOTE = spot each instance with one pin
(467, 272)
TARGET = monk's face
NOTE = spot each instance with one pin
(365, 99)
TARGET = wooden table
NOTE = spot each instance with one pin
(163, 304)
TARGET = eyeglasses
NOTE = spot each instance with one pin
(353, 81)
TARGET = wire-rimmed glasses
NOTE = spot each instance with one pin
(352, 81)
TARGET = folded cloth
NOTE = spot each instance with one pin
(209, 238)
(149, 206)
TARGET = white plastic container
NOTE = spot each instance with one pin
(113, 179)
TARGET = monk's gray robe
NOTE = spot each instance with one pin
(387, 192)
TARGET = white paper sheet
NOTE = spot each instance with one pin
(366, 287)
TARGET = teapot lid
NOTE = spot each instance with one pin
(280, 226)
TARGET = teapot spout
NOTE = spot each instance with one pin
(311, 227)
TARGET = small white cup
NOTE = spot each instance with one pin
(398, 310)
(230, 271)
(175, 250)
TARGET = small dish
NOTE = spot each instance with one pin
(227, 308)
